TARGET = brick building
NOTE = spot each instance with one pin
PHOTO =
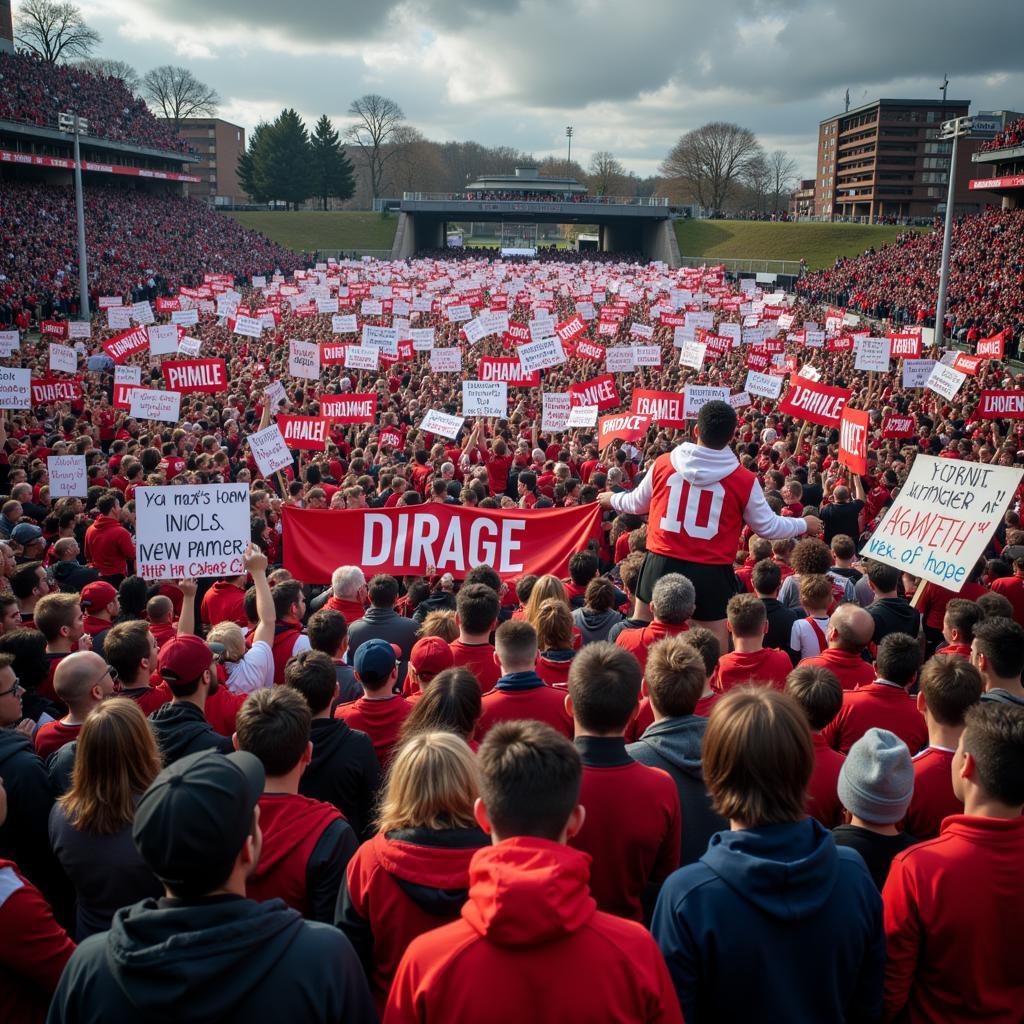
(801, 202)
(218, 144)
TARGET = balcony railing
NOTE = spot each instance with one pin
(554, 197)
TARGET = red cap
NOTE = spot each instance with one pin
(184, 659)
(430, 655)
(98, 595)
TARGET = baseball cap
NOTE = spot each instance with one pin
(98, 595)
(194, 818)
(375, 660)
(183, 659)
(430, 655)
(25, 533)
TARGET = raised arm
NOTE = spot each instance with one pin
(256, 565)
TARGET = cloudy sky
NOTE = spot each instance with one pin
(631, 77)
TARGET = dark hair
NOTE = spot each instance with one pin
(629, 569)
(1001, 641)
(131, 595)
(312, 674)
(108, 500)
(600, 594)
(811, 557)
(125, 646)
(326, 629)
(285, 595)
(994, 606)
(963, 616)
(994, 738)
(483, 574)
(706, 644)
(766, 576)
(604, 684)
(382, 590)
(274, 725)
(530, 778)
(28, 649)
(675, 675)
(25, 580)
(747, 616)
(583, 566)
(524, 587)
(883, 577)
(818, 691)
(843, 546)
(450, 702)
(950, 685)
(249, 605)
(716, 423)
(477, 606)
(898, 659)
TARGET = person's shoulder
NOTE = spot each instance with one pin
(688, 881)
(441, 947)
(316, 943)
(625, 935)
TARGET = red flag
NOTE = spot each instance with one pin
(899, 426)
(663, 407)
(816, 403)
(625, 425)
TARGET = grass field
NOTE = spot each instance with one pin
(819, 244)
(313, 229)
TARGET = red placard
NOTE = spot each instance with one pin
(992, 348)
(663, 407)
(625, 425)
(905, 346)
(165, 305)
(569, 329)
(759, 361)
(122, 392)
(126, 344)
(844, 343)
(968, 364)
(55, 389)
(54, 328)
(587, 349)
(853, 440)
(394, 437)
(349, 408)
(332, 353)
(517, 332)
(306, 432)
(209, 375)
(899, 426)
(997, 405)
(600, 391)
(507, 369)
(816, 403)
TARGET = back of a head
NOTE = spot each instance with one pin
(876, 781)
(766, 577)
(604, 685)
(706, 644)
(854, 628)
(346, 581)
(995, 606)
(950, 685)
(747, 616)
(442, 623)
(383, 591)
(675, 677)
(326, 629)
(716, 424)
(515, 642)
(75, 677)
(815, 592)
(600, 594)
(899, 659)
(1001, 641)
(963, 616)
(486, 575)
(274, 725)
(27, 650)
(449, 702)
(758, 757)
(811, 557)
(994, 738)
(311, 673)
(554, 626)
(285, 595)
(818, 692)
(843, 547)
(433, 783)
(673, 599)
(583, 567)
(884, 578)
(159, 609)
(477, 607)
(530, 778)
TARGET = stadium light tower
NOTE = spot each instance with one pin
(568, 158)
(75, 126)
(954, 130)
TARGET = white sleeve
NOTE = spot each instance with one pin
(301, 644)
(636, 501)
(765, 523)
(255, 671)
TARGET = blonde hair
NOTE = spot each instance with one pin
(433, 783)
(230, 635)
(546, 588)
(440, 623)
(115, 762)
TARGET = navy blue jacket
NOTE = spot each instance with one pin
(774, 924)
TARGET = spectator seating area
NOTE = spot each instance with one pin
(1012, 135)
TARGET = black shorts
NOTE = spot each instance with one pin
(714, 584)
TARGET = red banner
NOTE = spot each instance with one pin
(517, 332)
(905, 346)
(196, 375)
(664, 407)
(54, 389)
(995, 405)
(126, 344)
(759, 361)
(816, 403)
(968, 364)
(569, 329)
(600, 391)
(165, 305)
(306, 432)
(507, 369)
(844, 343)
(625, 425)
(54, 328)
(992, 348)
(349, 408)
(899, 426)
(853, 440)
(587, 349)
(394, 437)
(122, 394)
(450, 538)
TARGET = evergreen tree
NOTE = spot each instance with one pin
(281, 161)
(333, 174)
(250, 160)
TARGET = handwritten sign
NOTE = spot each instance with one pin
(67, 476)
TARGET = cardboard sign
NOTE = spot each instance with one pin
(163, 339)
(814, 402)
(63, 358)
(916, 372)
(67, 475)
(185, 317)
(249, 326)
(586, 349)
(142, 313)
(308, 433)
(764, 385)
(422, 339)
(567, 330)
(126, 344)
(361, 357)
(620, 359)
(621, 426)
(647, 355)
(127, 375)
(899, 426)
(600, 391)
(15, 387)
(10, 342)
(995, 405)
(53, 329)
(275, 395)
(119, 318)
(189, 347)
(943, 518)
(541, 355)
(474, 330)
(345, 324)
(484, 398)
(692, 354)
(442, 424)
(269, 450)
(873, 355)
(695, 397)
(945, 381)
(446, 360)
(194, 531)
(304, 359)
(662, 407)
(582, 416)
(740, 401)
(209, 375)
(555, 409)
(853, 440)
(80, 330)
(383, 338)
(349, 408)
(150, 404)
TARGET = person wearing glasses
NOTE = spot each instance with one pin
(82, 682)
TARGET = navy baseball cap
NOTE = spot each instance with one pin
(375, 660)
(25, 533)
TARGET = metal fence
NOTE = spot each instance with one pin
(554, 197)
(784, 268)
(341, 254)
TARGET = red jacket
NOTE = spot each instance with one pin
(352, 610)
(532, 946)
(381, 720)
(51, 737)
(524, 695)
(933, 799)
(399, 890)
(764, 666)
(1012, 588)
(877, 706)
(639, 641)
(479, 659)
(851, 669)
(553, 667)
(823, 789)
(109, 547)
(223, 602)
(285, 635)
(952, 907)
(33, 949)
(94, 625)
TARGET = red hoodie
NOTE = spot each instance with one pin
(878, 706)
(933, 800)
(850, 669)
(764, 666)
(952, 908)
(223, 602)
(352, 610)
(109, 547)
(399, 890)
(531, 945)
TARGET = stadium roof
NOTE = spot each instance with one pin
(953, 104)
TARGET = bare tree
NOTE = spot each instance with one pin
(782, 178)
(54, 31)
(757, 177)
(607, 175)
(710, 161)
(119, 69)
(377, 120)
(177, 94)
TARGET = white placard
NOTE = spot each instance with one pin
(475, 331)
(485, 398)
(163, 339)
(185, 317)
(361, 357)
(582, 416)
(556, 408)
(189, 346)
(371, 307)
(80, 329)
(275, 395)
(304, 359)
(441, 423)
(459, 314)
(327, 305)
(383, 338)
(916, 372)
(945, 381)
(696, 396)
(873, 355)
(249, 326)
(646, 355)
(692, 354)
(496, 321)
(683, 336)
(809, 372)
(740, 401)
(764, 385)
(63, 358)
(15, 387)
(344, 324)
(67, 475)
(193, 531)
(10, 342)
(269, 449)
(814, 339)
(446, 360)
(641, 331)
(119, 318)
(127, 375)
(422, 338)
(259, 281)
(150, 404)
(619, 359)
(541, 355)
(142, 313)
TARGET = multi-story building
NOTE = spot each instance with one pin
(218, 145)
(6, 27)
(801, 202)
(885, 160)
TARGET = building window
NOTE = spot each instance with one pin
(931, 117)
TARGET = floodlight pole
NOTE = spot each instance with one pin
(76, 124)
(568, 159)
(950, 130)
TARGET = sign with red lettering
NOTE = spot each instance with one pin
(992, 348)
(306, 432)
(600, 392)
(626, 426)
(816, 403)
(899, 426)
(54, 389)
(997, 405)
(906, 346)
(509, 370)
(196, 375)
(853, 440)
(126, 344)
(663, 407)
(449, 538)
(349, 408)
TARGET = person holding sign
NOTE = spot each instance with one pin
(698, 497)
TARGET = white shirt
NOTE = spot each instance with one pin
(254, 672)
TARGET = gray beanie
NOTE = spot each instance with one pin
(876, 781)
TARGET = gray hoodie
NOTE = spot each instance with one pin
(595, 625)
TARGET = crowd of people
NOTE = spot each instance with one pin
(899, 281)
(576, 795)
(1010, 137)
(35, 91)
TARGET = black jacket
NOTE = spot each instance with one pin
(72, 576)
(181, 728)
(220, 959)
(780, 626)
(344, 772)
